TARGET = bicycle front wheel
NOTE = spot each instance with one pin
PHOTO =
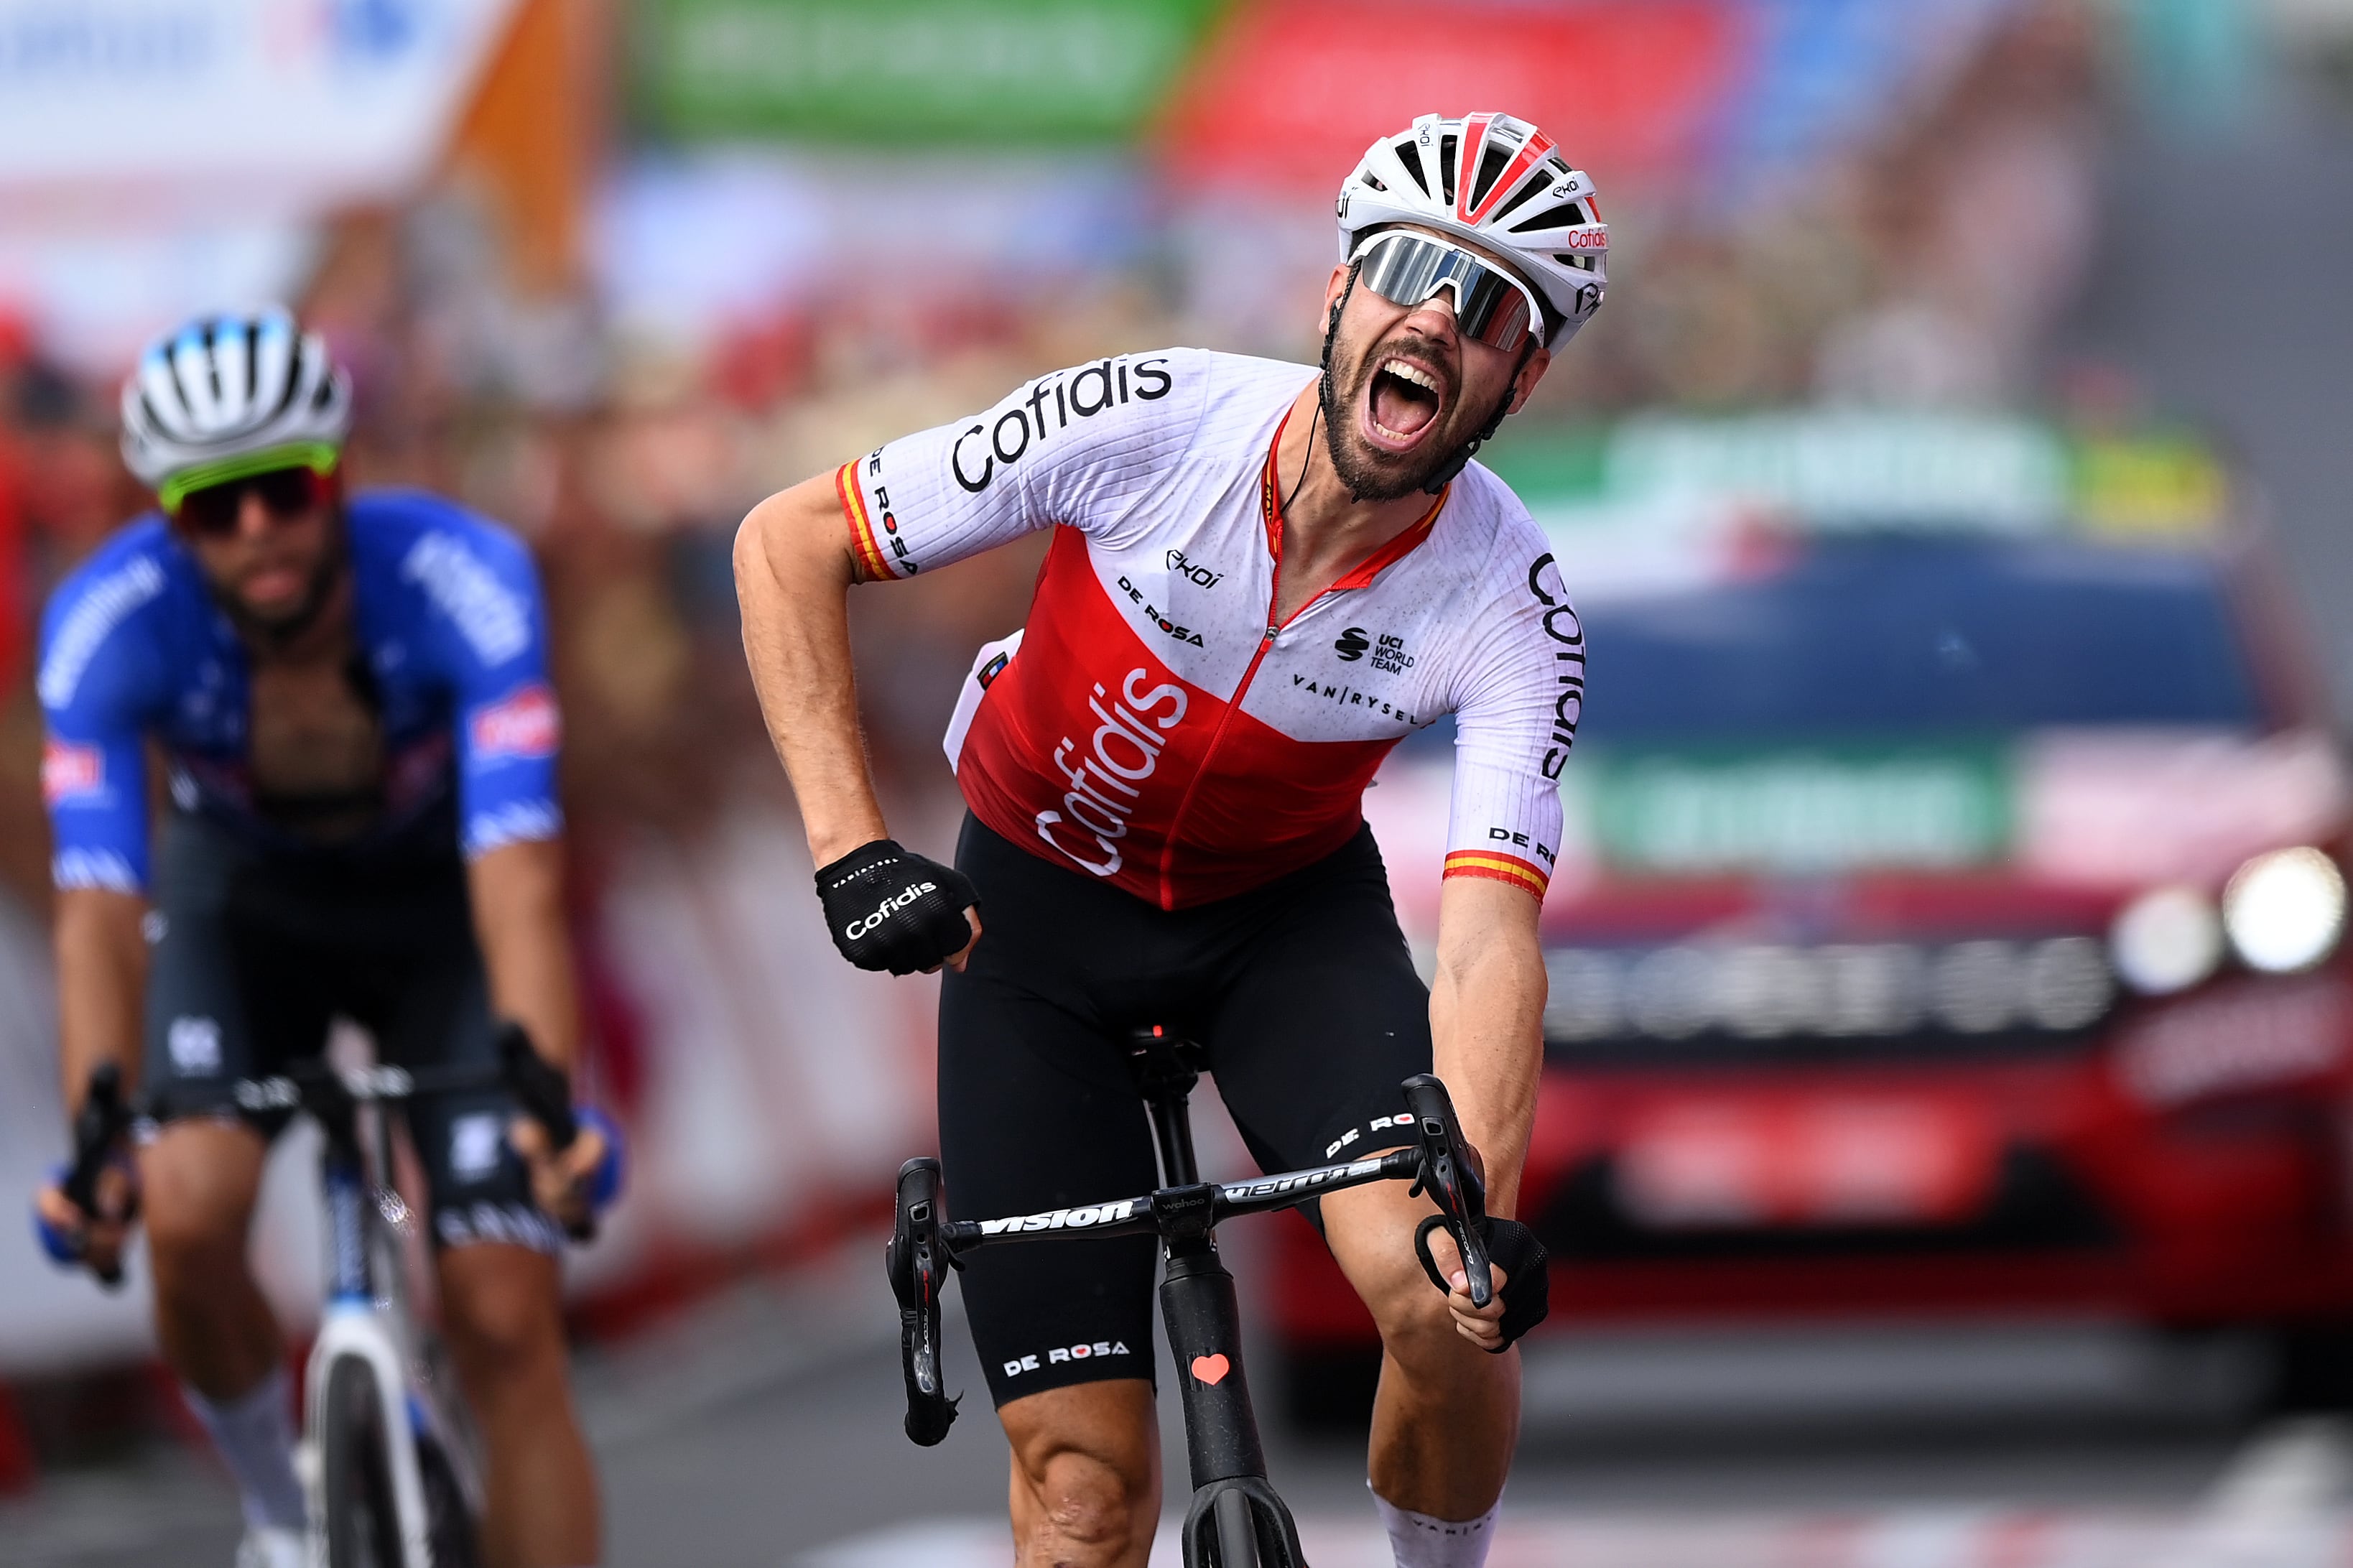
(363, 1516)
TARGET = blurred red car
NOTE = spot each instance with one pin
(1950, 916)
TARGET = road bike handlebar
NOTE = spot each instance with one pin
(541, 1088)
(924, 1243)
(98, 1127)
(1453, 1181)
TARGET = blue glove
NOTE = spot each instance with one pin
(612, 1171)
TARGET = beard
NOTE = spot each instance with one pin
(283, 626)
(1374, 475)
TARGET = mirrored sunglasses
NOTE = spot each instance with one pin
(1490, 306)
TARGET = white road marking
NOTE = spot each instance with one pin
(2286, 1501)
(1901, 1537)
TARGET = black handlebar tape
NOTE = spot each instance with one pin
(539, 1086)
(917, 1263)
(1453, 1181)
(545, 1093)
(96, 1125)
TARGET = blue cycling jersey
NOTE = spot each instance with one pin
(451, 635)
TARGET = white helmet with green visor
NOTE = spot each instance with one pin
(227, 397)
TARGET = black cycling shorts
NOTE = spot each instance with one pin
(253, 954)
(1303, 995)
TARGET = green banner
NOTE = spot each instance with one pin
(1795, 813)
(901, 72)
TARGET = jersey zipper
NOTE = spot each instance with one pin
(1271, 511)
(1233, 706)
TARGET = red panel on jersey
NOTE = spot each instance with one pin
(1087, 747)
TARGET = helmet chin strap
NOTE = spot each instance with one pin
(1323, 390)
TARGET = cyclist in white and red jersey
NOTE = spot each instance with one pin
(1261, 578)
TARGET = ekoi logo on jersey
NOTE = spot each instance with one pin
(524, 725)
(1107, 777)
(72, 774)
(989, 445)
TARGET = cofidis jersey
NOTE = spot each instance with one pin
(450, 628)
(1152, 724)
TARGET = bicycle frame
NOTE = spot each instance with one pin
(1236, 1515)
(368, 1315)
(368, 1319)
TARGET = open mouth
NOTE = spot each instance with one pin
(1403, 404)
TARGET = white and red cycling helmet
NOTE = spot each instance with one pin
(1498, 183)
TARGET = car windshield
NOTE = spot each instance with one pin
(1912, 637)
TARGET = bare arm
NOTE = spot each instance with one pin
(517, 892)
(102, 956)
(1486, 1017)
(793, 567)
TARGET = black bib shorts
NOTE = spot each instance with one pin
(1303, 995)
(252, 956)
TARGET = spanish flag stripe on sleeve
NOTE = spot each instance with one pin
(1502, 867)
(861, 527)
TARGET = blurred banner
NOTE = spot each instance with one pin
(282, 106)
(1292, 91)
(913, 72)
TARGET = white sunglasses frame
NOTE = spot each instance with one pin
(1538, 323)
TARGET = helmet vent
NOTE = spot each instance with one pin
(1519, 198)
(1582, 263)
(1570, 216)
(1446, 146)
(1492, 165)
(1375, 182)
(1411, 156)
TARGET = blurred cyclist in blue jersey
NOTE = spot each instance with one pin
(349, 697)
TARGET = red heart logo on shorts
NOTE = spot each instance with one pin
(1211, 1369)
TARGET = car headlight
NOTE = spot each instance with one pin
(2286, 910)
(2167, 940)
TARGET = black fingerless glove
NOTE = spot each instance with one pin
(890, 909)
(1527, 1281)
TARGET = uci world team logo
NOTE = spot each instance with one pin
(1351, 645)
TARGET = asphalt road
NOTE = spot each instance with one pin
(762, 1432)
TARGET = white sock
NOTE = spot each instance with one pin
(1418, 1541)
(254, 1435)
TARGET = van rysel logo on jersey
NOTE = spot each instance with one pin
(988, 445)
(1106, 780)
(1561, 624)
(1343, 693)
